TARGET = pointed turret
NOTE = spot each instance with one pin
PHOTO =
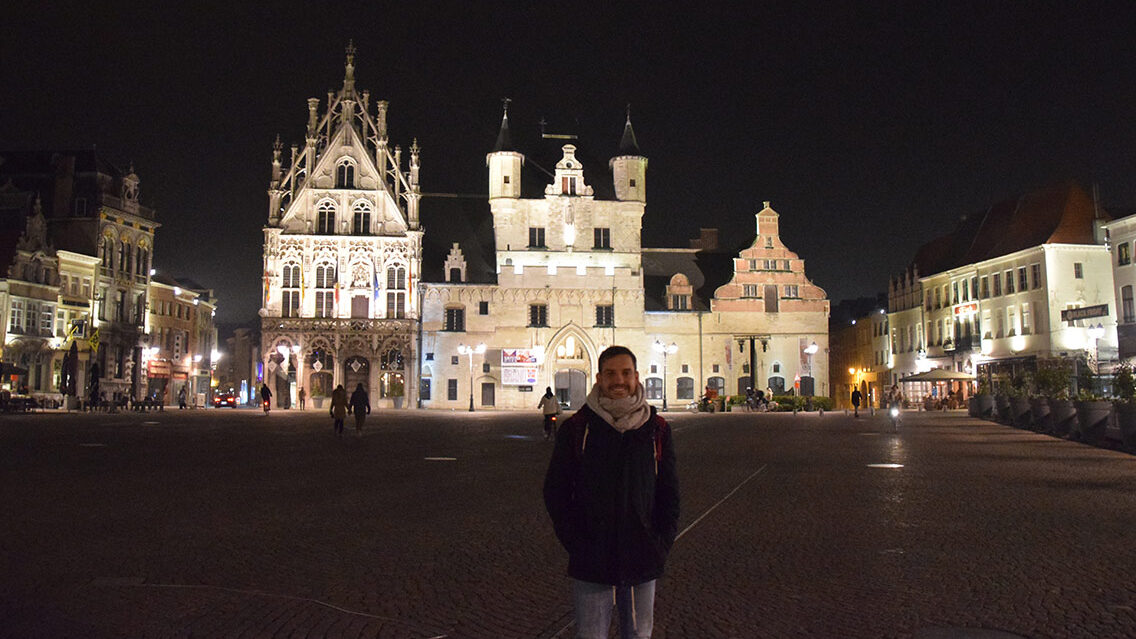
(504, 162)
(628, 145)
(504, 142)
(629, 168)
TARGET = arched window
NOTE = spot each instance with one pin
(123, 250)
(396, 277)
(361, 223)
(290, 295)
(396, 292)
(654, 386)
(345, 175)
(325, 218)
(325, 296)
(685, 388)
(717, 383)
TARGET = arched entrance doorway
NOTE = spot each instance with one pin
(571, 386)
(391, 380)
(356, 370)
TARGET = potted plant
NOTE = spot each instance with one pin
(982, 404)
(1093, 410)
(1002, 404)
(1019, 403)
(1124, 384)
(1050, 383)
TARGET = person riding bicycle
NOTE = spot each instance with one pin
(894, 397)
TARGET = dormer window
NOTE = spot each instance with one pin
(345, 175)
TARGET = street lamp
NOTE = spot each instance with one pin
(665, 349)
(1095, 334)
(471, 350)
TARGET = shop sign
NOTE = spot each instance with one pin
(966, 309)
(1085, 312)
(158, 368)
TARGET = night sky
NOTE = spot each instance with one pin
(871, 127)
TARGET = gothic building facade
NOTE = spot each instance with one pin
(342, 250)
(484, 303)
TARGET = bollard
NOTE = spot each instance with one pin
(821, 413)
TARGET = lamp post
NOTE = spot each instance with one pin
(213, 358)
(471, 350)
(665, 349)
(811, 350)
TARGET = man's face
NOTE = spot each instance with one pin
(618, 377)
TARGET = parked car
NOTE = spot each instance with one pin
(224, 399)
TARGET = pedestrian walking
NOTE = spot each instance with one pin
(181, 398)
(550, 408)
(612, 493)
(338, 408)
(856, 399)
(303, 394)
(361, 407)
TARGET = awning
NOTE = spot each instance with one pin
(8, 368)
(938, 375)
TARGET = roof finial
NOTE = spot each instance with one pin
(629, 113)
(505, 105)
(628, 145)
(349, 75)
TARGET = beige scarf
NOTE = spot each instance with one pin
(624, 414)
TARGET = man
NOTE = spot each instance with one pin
(612, 493)
(856, 399)
(303, 395)
(550, 407)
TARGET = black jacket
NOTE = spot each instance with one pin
(613, 505)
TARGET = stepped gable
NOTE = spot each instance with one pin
(469, 223)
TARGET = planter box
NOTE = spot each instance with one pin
(1126, 421)
(1020, 412)
(318, 401)
(1092, 420)
(1002, 408)
(984, 404)
(1042, 418)
(1062, 415)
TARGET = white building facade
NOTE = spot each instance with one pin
(1002, 313)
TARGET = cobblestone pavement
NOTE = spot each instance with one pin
(219, 523)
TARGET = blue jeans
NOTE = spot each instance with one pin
(594, 603)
